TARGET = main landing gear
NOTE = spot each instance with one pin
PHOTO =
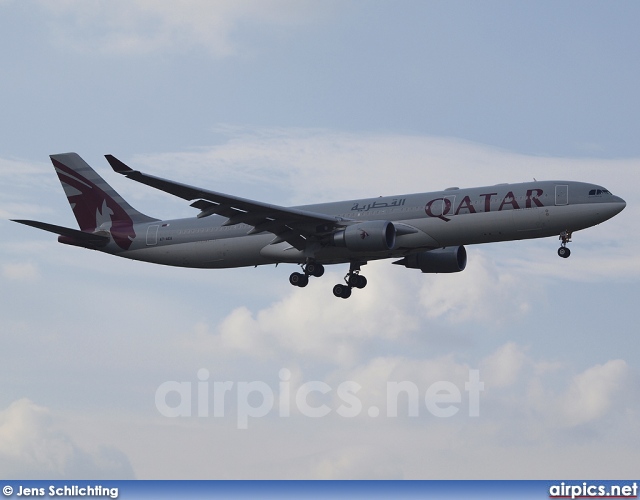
(564, 251)
(310, 269)
(353, 279)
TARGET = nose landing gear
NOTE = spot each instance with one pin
(564, 251)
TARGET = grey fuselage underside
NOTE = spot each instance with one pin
(444, 218)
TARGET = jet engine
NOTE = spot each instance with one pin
(369, 236)
(441, 260)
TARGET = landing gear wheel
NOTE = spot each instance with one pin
(342, 291)
(314, 269)
(297, 279)
(565, 237)
(353, 279)
(362, 281)
(356, 281)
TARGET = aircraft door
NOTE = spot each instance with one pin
(562, 194)
(152, 235)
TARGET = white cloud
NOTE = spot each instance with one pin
(23, 188)
(592, 393)
(397, 305)
(533, 406)
(311, 322)
(144, 26)
(16, 170)
(10, 210)
(394, 384)
(319, 165)
(502, 368)
(518, 434)
(20, 271)
(353, 462)
(548, 400)
(32, 446)
(484, 292)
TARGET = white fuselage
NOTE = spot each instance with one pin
(424, 221)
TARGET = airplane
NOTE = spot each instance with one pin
(425, 231)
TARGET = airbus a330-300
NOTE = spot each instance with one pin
(425, 231)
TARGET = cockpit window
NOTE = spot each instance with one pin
(598, 192)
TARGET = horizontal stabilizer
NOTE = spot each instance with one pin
(71, 236)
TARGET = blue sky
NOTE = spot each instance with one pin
(302, 102)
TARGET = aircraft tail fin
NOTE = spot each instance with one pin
(95, 203)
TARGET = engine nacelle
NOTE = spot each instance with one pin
(370, 236)
(441, 260)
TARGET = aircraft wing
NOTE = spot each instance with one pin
(288, 224)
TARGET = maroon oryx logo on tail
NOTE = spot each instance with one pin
(94, 208)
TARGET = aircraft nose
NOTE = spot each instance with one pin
(616, 205)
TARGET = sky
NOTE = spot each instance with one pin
(296, 103)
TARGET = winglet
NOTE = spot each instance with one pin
(118, 166)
